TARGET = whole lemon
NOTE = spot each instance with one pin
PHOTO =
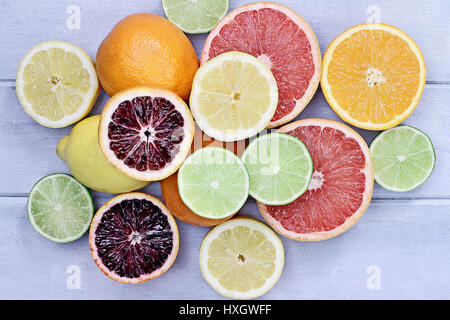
(81, 152)
(146, 49)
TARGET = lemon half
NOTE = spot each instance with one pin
(234, 96)
(241, 258)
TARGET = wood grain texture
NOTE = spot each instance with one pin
(29, 24)
(409, 243)
(25, 140)
(405, 235)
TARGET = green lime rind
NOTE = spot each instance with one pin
(403, 158)
(213, 183)
(280, 168)
(195, 16)
(60, 208)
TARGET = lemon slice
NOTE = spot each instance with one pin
(234, 96)
(241, 258)
(57, 84)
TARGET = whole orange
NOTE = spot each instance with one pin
(146, 49)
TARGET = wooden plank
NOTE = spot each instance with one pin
(425, 21)
(403, 244)
(31, 147)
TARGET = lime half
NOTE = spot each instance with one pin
(60, 208)
(241, 258)
(195, 16)
(280, 168)
(403, 158)
(213, 183)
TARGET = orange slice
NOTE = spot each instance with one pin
(373, 76)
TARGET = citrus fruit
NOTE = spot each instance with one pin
(283, 41)
(213, 183)
(60, 208)
(81, 152)
(146, 49)
(195, 16)
(403, 158)
(373, 76)
(57, 84)
(233, 96)
(341, 185)
(169, 185)
(241, 258)
(133, 238)
(279, 167)
(146, 132)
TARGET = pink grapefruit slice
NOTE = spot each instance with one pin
(283, 41)
(340, 189)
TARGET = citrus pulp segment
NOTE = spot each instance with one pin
(373, 76)
(133, 238)
(279, 167)
(213, 183)
(403, 158)
(60, 208)
(57, 84)
(341, 185)
(195, 16)
(241, 258)
(233, 96)
(283, 41)
(146, 132)
(81, 152)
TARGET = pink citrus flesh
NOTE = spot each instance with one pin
(340, 189)
(283, 41)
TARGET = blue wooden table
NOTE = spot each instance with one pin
(399, 249)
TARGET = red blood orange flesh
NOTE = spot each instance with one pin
(133, 238)
(146, 133)
(283, 41)
(340, 189)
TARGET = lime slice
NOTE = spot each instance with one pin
(60, 208)
(280, 168)
(403, 158)
(241, 258)
(57, 84)
(213, 183)
(234, 96)
(195, 16)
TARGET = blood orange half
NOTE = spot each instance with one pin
(133, 238)
(146, 132)
(283, 41)
(340, 189)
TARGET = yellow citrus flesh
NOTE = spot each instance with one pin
(373, 76)
(241, 258)
(234, 96)
(57, 84)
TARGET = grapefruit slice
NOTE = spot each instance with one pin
(340, 189)
(146, 132)
(281, 39)
(133, 238)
